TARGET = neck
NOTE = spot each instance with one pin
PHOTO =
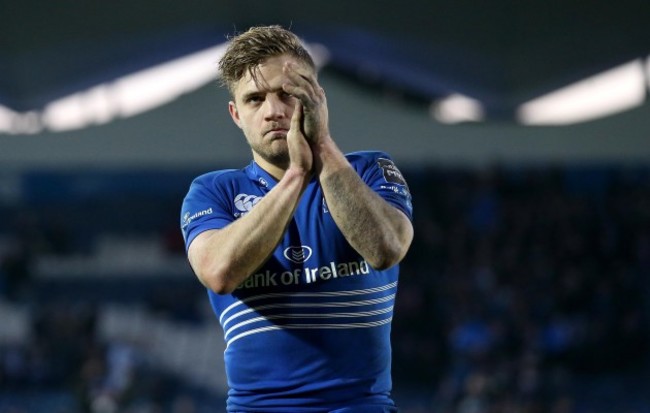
(275, 170)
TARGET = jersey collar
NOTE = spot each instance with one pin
(259, 175)
(264, 179)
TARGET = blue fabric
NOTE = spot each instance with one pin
(310, 330)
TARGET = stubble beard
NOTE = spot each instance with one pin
(275, 156)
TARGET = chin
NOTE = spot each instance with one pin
(277, 158)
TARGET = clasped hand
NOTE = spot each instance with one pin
(304, 86)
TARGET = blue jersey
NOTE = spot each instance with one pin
(310, 330)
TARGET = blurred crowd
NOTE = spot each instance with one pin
(66, 368)
(525, 289)
(521, 283)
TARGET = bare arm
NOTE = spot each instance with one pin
(378, 231)
(222, 259)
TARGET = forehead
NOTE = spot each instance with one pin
(268, 75)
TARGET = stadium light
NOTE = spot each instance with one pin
(615, 90)
(24, 123)
(457, 108)
(135, 93)
(127, 96)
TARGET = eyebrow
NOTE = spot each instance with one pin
(251, 94)
(258, 92)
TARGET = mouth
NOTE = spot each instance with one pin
(277, 132)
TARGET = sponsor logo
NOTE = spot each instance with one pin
(390, 171)
(244, 202)
(402, 190)
(298, 254)
(189, 217)
(307, 275)
(336, 270)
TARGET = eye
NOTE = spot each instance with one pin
(254, 99)
(285, 96)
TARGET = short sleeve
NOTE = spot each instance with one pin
(382, 175)
(203, 209)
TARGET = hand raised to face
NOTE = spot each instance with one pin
(304, 86)
(300, 154)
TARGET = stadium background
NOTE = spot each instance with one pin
(527, 286)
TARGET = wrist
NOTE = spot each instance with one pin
(297, 174)
(324, 147)
(328, 158)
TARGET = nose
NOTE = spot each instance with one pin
(274, 107)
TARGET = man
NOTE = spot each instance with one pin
(298, 250)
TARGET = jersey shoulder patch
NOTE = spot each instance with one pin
(390, 171)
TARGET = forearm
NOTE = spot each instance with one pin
(374, 228)
(223, 259)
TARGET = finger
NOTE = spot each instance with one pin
(302, 84)
(300, 73)
(296, 118)
(296, 127)
(306, 98)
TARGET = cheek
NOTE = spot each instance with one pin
(290, 110)
(246, 120)
(250, 127)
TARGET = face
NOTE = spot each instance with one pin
(263, 111)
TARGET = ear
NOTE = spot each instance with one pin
(234, 114)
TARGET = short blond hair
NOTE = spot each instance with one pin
(253, 47)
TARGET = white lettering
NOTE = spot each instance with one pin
(325, 273)
(354, 268)
(311, 275)
(248, 283)
(288, 277)
(334, 274)
(259, 279)
(343, 270)
(187, 218)
(270, 279)
(365, 269)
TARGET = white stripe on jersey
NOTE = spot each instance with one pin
(311, 315)
(307, 294)
(309, 326)
(332, 304)
(327, 301)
